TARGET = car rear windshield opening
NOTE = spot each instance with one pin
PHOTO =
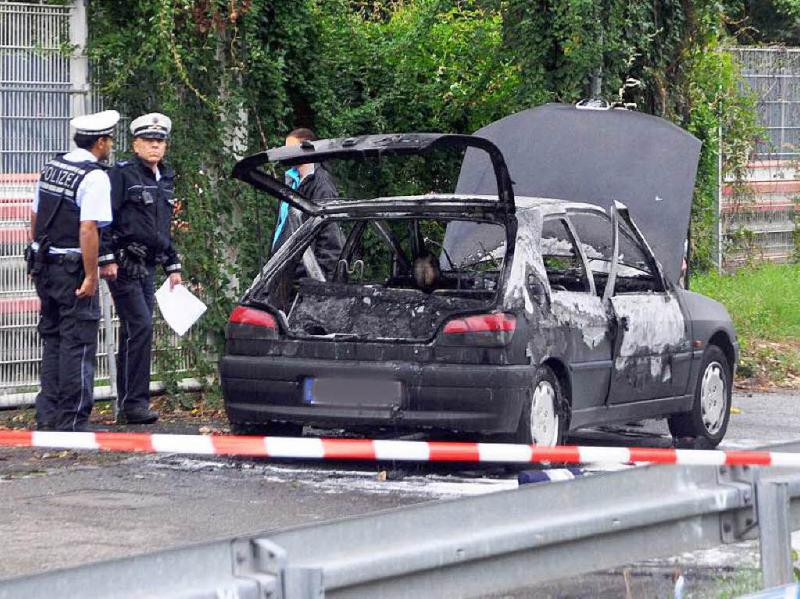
(391, 279)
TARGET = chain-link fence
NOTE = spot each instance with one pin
(35, 85)
(759, 215)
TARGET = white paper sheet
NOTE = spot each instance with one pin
(179, 307)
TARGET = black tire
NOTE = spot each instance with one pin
(701, 423)
(274, 429)
(524, 433)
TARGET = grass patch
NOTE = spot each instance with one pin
(730, 586)
(764, 303)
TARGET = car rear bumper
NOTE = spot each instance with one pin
(486, 399)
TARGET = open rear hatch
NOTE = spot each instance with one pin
(367, 147)
(388, 282)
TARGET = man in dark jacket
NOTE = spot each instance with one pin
(316, 183)
(138, 240)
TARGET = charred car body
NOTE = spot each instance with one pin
(525, 309)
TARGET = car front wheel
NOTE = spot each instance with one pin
(711, 409)
(542, 420)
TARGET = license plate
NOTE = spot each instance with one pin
(366, 393)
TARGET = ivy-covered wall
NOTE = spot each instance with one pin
(237, 75)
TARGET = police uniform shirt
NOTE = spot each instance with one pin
(93, 196)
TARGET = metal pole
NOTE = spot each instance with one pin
(719, 199)
(80, 104)
(772, 504)
(782, 99)
(79, 62)
(597, 77)
(108, 327)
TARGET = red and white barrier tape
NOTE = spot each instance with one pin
(366, 449)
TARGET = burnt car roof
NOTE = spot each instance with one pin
(448, 203)
(369, 146)
(597, 157)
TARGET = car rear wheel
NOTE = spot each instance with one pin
(711, 409)
(275, 429)
(542, 419)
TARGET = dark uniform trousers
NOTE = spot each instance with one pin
(68, 328)
(134, 299)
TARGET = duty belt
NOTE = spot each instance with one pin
(61, 258)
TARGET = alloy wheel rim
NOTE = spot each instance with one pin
(713, 396)
(544, 419)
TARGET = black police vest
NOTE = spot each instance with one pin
(145, 214)
(58, 188)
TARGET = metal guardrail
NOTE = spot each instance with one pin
(471, 546)
(791, 591)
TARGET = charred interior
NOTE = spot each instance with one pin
(392, 280)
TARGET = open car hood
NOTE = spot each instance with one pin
(597, 157)
(370, 146)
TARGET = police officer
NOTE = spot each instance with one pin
(71, 202)
(139, 239)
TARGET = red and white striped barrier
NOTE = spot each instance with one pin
(366, 449)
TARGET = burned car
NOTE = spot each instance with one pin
(527, 304)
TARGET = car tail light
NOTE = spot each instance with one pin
(487, 330)
(254, 318)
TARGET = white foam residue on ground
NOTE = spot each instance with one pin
(736, 555)
(345, 481)
(337, 481)
(741, 444)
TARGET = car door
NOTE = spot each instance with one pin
(651, 345)
(650, 351)
(578, 313)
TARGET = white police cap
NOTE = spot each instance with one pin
(99, 123)
(153, 126)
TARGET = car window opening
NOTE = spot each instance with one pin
(392, 280)
(635, 273)
(562, 261)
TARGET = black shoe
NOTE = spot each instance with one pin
(45, 426)
(137, 416)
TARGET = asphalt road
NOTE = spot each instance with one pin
(68, 508)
